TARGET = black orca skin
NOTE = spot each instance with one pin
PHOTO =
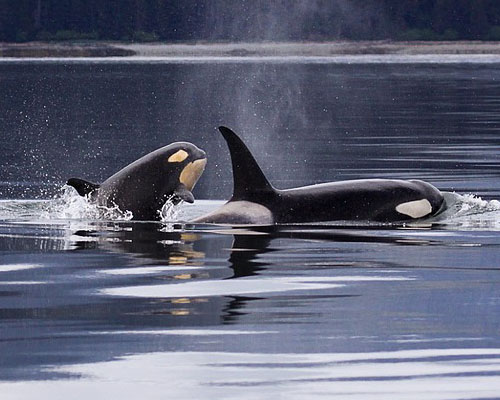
(256, 201)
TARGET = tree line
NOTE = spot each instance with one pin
(223, 20)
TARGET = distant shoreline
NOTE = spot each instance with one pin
(241, 49)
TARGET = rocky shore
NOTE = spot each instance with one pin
(264, 49)
(62, 50)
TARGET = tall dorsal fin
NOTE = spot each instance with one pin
(82, 187)
(248, 178)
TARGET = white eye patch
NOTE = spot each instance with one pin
(415, 209)
(178, 156)
(192, 172)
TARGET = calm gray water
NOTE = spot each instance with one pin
(98, 306)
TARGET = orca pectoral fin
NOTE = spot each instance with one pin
(82, 187)
(182, 193)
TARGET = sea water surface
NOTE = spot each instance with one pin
(95, 305)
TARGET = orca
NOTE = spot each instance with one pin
(256, 201)
(143, 187)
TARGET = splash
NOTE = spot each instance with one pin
(66, 205)
(469, 211)
(169, 212)
(470, 204)
(69, 205)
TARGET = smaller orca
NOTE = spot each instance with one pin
(256, 201)
(144, 186)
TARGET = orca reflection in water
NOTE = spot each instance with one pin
(144, 186)
(256, 201)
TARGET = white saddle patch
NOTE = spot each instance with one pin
(415, 209)
(239, 212)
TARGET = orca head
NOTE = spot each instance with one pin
(168, 173)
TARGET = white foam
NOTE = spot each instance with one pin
(169, 212)
(70, 205)
(470, 212)
(66, 205)
(472, 204)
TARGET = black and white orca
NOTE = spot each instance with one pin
(256, 201)
(143, 187)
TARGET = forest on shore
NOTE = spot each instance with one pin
(248, 20)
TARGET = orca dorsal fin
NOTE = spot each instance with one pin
(248, 178)
(83, 187)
